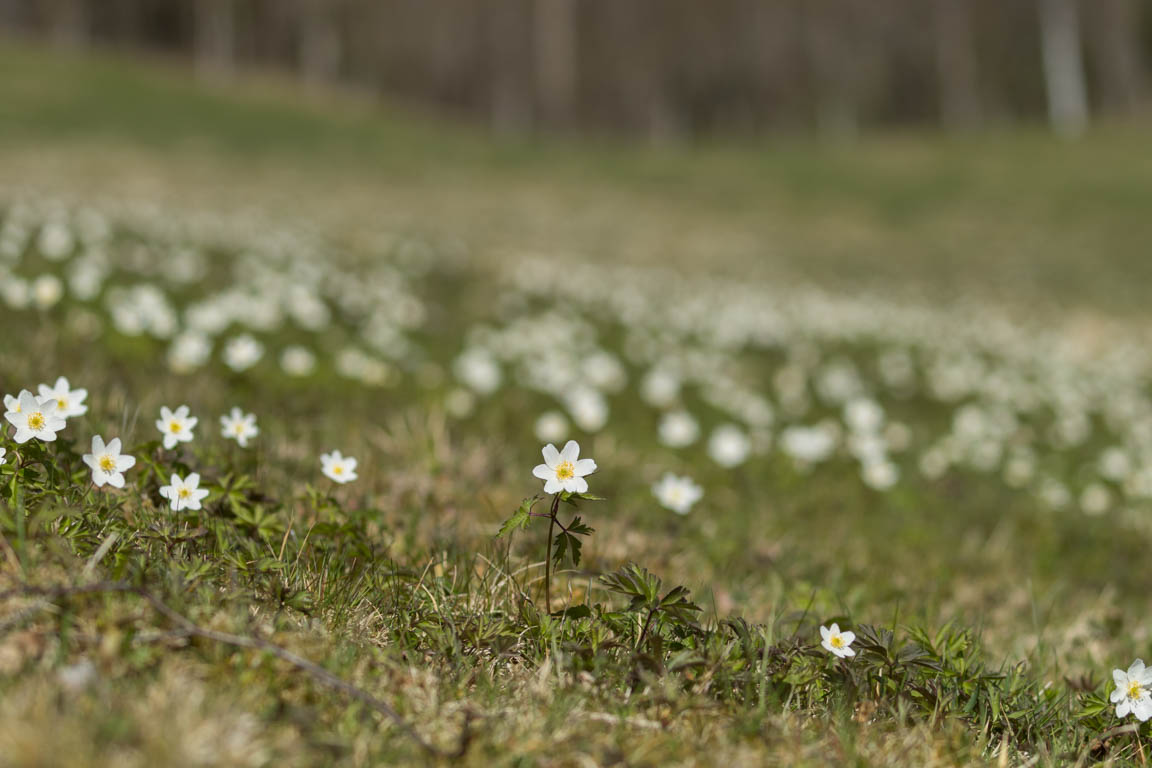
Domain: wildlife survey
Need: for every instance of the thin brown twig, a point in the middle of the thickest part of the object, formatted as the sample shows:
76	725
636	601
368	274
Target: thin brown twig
255	643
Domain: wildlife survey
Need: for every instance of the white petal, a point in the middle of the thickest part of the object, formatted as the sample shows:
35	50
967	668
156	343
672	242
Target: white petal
580	485
551	455
116	480
97	445
553	486
825	632
584	467
1120	677
543	471
847	637
125	462
571	451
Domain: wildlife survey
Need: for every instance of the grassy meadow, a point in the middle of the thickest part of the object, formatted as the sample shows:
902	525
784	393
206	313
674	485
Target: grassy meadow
907	379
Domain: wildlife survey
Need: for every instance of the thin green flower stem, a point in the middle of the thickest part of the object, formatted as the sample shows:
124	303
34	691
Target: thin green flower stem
548	556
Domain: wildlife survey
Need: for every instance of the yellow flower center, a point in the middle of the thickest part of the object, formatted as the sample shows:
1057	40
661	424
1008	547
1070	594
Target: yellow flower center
184	493
565	471
239	428
62	403
338	469
174	427
836	641
36	420
1135	690
107	463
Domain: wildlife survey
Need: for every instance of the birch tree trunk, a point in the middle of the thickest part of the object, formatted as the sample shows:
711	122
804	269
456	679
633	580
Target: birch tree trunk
214	37
1063	66
320	40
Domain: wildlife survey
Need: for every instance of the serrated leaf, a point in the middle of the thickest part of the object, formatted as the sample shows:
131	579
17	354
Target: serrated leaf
519	519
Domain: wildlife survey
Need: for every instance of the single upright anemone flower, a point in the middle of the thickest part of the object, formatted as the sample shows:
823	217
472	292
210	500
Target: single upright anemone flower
837	642
34	417
677	493
564	470
1131	695
337	467
69	402
239	426
184	493
176	427
108	466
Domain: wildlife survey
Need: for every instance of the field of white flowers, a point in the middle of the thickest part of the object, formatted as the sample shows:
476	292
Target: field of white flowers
279	492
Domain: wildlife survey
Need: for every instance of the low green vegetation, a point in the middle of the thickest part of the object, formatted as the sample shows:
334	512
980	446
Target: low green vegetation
383	571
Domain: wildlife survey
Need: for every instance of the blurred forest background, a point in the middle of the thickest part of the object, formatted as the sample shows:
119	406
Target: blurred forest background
661	69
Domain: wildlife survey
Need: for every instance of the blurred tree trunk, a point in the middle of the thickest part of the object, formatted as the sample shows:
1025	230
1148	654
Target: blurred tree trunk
956	66
1115	35
1063	66
556	49
68	23
828	42
214	36
509	70
321	43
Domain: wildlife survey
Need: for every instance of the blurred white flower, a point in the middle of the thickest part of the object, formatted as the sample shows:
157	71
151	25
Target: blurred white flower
836	641
107	465
660	387
33	417
188	351
176	427
551	427
239	426
184	493
808	444
242	352
1131	694
337	467
1095	499
678	429
728	446
297	361
47	290
880	475
604	372
589	409
564	470
677	493
69	402
479	371
863	415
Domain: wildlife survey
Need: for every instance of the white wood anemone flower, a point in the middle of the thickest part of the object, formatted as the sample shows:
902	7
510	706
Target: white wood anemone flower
33	417
1132	694
108	465
176	426
564	470
69	402
837	642
239	426
184	493
338	467
677	493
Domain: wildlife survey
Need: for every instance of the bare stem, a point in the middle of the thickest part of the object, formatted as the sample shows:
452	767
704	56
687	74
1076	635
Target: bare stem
548	557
